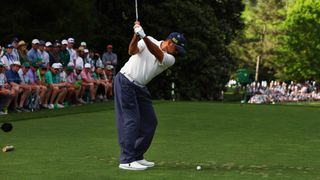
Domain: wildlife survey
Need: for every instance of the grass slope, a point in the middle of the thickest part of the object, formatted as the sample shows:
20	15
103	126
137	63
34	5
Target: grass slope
229	141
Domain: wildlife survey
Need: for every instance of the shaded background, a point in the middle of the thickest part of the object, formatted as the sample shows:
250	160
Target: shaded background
208	25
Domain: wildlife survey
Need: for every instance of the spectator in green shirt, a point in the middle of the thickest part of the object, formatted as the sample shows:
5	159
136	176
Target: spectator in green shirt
58	88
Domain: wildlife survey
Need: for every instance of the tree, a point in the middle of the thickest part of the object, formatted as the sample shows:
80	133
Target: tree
301	42
257	46
208	25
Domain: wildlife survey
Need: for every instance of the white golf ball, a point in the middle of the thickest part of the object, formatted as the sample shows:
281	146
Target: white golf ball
198	168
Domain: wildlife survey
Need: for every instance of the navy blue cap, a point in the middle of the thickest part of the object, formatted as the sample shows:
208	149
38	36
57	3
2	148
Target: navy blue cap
179	40
9	46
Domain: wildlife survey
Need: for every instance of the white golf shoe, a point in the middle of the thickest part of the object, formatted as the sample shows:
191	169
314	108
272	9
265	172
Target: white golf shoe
146	163
134	166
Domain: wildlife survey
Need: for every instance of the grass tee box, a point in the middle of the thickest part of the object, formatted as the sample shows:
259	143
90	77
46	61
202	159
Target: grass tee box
228	141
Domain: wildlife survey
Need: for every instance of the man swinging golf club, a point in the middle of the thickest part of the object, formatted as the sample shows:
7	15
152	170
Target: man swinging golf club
136	119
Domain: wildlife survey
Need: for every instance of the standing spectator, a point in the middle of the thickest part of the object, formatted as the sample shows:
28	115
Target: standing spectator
64	54
15	54
72	52
110	58
23	52
83	44
34	54
16	83
48	48
80	56
43	54
56	53
8	58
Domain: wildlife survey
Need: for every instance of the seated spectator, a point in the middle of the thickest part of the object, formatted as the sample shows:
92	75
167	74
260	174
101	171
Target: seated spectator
57	88
21	89
73	87
88	82
104	86
6	94
8	57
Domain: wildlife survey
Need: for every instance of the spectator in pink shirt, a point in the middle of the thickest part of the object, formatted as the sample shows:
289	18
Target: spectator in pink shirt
88	82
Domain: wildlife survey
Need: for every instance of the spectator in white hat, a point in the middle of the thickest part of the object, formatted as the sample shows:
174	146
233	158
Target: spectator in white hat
34	54
58	88
45	59
64	53
88	82
72	52
80	56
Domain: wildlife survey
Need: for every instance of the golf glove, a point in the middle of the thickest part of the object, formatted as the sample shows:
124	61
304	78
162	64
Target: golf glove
139	32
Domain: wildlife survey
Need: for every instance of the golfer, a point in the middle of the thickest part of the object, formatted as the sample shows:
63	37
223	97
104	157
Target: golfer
136	119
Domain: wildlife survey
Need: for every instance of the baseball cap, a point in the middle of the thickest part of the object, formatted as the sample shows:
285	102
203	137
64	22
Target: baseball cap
26	64
109	67
65	42
179	40
109	46
87	65
79	68
70	40
55	66
35	41
34	64
83	43
70	64
86	51
15	39
16	63
42	42
48	44
9	46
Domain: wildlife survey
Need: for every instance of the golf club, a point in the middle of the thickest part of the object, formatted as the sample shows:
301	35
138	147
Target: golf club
136	2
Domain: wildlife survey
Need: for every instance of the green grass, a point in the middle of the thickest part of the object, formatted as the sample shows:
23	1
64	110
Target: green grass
229	141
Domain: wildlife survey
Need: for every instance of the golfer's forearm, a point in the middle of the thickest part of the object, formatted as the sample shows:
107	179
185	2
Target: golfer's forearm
133	46
154	49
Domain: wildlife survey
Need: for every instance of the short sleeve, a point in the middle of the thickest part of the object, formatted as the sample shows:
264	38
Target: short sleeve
168	60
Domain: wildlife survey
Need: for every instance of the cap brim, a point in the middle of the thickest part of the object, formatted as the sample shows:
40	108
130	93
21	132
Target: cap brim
181	50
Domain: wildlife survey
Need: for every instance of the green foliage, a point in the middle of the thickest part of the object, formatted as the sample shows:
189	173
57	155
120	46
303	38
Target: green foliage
301	41
260	37
209	26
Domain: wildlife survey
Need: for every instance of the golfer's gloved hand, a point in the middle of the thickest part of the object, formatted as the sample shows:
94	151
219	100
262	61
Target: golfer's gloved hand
139	31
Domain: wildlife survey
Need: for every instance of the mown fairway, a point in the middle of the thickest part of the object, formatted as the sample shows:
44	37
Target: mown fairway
229	141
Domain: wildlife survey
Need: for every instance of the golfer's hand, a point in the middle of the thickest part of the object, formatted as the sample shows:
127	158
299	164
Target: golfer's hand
139	32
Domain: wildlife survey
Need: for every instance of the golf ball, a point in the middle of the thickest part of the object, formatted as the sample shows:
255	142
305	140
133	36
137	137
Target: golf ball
198	168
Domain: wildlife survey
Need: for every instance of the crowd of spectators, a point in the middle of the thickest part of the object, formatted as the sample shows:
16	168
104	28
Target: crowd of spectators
53	75
280	92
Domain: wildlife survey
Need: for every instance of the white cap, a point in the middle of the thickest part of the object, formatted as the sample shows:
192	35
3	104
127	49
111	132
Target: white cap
55	66
35	41
64	42
60	65
16	63
70	64
109	67
79	67
48	44
86	51
70	40
87	65
83	44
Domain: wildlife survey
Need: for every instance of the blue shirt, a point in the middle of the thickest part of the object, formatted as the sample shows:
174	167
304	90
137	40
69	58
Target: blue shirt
34	55
13	77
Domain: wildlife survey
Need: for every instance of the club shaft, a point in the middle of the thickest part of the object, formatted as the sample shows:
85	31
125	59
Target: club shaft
136	1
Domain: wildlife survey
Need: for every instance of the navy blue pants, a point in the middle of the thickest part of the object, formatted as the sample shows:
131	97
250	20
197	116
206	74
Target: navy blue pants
136	119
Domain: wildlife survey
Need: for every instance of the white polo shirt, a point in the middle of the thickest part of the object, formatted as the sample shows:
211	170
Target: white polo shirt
143	66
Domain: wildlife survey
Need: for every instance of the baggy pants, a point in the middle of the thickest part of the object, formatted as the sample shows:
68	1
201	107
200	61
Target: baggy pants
136	119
